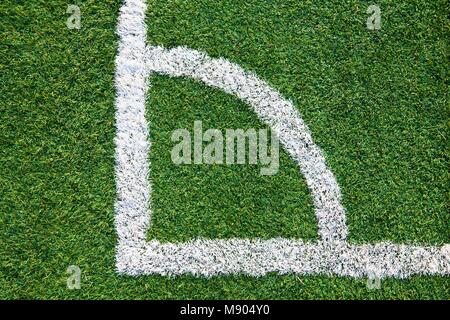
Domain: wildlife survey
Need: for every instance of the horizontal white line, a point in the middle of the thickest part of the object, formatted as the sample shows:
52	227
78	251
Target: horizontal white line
258	257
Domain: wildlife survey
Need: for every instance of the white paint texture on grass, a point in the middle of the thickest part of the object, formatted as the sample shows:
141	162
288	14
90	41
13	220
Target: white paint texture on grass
259	257
279	114
135	63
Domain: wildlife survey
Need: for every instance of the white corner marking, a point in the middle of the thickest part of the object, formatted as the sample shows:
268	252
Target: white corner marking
135	63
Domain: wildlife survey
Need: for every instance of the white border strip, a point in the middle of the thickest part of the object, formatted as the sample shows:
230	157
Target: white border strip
135	256
132	138
259	257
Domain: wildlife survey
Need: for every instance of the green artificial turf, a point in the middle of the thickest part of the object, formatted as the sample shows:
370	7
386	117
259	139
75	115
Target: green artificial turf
375	101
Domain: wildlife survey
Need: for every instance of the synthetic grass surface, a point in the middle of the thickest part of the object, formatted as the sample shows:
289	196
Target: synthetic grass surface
376	103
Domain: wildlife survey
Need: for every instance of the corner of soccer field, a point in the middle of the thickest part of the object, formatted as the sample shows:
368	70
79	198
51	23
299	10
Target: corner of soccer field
375	102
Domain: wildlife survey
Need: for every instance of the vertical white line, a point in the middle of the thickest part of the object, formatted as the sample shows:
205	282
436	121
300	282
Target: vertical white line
132	140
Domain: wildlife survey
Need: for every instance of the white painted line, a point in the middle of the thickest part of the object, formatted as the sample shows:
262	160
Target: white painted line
332	255
259	257
132	139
